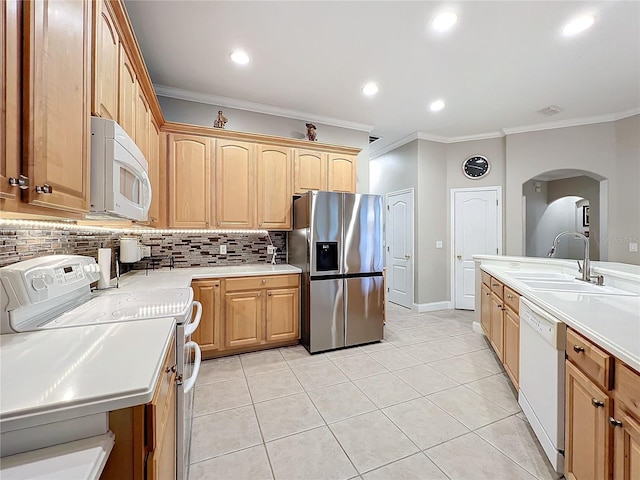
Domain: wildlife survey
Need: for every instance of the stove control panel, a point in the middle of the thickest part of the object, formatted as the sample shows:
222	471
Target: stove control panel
45	278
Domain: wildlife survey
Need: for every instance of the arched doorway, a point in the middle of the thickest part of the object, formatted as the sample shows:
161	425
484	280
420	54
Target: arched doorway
564	200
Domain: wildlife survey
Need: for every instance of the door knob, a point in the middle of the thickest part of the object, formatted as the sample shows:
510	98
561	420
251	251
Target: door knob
459	257
407	256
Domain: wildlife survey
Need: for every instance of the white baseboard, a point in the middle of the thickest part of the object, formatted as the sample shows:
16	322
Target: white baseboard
477	328
432	307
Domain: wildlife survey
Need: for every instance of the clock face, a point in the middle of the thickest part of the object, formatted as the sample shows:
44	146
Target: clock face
476	166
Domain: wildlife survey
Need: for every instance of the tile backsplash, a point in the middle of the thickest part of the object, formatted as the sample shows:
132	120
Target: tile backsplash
187	249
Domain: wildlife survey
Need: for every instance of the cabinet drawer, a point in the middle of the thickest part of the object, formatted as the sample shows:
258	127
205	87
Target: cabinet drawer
512	299
497	287
486	278
252	283
628	388
592	360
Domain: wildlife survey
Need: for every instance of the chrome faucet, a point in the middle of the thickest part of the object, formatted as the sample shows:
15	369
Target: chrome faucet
586	266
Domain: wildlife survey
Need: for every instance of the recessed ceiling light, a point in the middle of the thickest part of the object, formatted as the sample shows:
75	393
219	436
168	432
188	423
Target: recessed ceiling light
370	89
436	106
240	57
578	25
444	21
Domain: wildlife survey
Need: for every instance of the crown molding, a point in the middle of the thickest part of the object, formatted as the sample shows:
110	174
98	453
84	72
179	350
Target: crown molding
393	146
219	101
573	122
479	136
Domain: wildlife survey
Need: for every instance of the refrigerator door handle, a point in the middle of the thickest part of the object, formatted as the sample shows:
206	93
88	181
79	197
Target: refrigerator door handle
345	304
191	327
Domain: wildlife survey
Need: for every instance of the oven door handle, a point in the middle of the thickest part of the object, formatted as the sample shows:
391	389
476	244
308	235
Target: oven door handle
191	381
191	327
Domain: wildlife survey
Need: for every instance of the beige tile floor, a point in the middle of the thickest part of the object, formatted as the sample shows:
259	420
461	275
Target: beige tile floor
429	402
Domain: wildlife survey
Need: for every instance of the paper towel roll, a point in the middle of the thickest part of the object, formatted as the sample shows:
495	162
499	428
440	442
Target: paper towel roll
104	261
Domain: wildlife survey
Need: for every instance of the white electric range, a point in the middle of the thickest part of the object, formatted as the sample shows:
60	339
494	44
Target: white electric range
54	291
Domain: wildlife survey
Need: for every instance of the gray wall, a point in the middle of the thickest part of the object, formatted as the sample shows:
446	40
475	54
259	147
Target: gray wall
184	111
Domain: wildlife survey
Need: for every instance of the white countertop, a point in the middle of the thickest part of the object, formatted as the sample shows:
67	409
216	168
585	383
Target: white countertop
610	321
182	277
54	375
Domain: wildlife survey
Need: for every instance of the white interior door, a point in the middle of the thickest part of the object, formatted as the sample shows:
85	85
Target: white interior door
399	246
477	230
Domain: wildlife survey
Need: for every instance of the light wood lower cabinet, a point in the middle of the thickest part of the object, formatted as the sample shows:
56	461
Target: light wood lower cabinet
587	432
626	446
145	447
485	310
207	335
244	314
497	326
512	345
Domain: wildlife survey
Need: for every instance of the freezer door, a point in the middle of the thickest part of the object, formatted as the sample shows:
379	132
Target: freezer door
362	233
325	233
326	315
364	310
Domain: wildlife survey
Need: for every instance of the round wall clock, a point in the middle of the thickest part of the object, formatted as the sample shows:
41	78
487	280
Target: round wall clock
476	166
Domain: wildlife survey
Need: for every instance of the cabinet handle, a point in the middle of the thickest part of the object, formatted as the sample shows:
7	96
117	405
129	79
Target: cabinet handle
259	295
264	280
487	294
597	403
46	189
170	369
509	295
578	349
22	182
615	423
494	284
218	223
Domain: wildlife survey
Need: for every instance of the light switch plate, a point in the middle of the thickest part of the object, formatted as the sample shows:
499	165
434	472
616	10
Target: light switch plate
223	249
439	244
633	247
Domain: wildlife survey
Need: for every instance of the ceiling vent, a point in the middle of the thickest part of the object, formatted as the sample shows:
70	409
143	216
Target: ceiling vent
550	110
373	139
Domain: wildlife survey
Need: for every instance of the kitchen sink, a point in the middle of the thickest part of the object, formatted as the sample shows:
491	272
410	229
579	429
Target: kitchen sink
572	285
538	275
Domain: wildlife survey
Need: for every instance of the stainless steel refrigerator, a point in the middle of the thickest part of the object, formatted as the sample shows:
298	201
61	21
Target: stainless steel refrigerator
337	242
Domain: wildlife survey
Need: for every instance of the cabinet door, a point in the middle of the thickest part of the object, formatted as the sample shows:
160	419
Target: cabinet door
143	123
310	171
587	434
106	45
342	173
497	326
57	101
128	93
235	184
274	187
485	310
283	314
10	76
626	447
512	345
189	181
154	174
243	319
207	292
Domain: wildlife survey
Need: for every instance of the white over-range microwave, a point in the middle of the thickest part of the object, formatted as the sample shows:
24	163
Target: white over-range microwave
120	185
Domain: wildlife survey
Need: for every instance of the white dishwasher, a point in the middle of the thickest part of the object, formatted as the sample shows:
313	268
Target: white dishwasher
542	378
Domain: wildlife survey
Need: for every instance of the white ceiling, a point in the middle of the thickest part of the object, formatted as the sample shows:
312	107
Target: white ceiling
502	63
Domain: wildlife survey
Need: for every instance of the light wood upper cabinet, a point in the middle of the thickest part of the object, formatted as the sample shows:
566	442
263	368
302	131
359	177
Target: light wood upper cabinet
587	432
310	171
283	314
143	123
342	173
57	100
154	174
235	184
207	335
128	94
189	181
243	319
274	200
10	76
106	47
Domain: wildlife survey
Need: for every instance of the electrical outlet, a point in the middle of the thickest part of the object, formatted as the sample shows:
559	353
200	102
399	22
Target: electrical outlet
633	246
271	249
438	243
223	249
